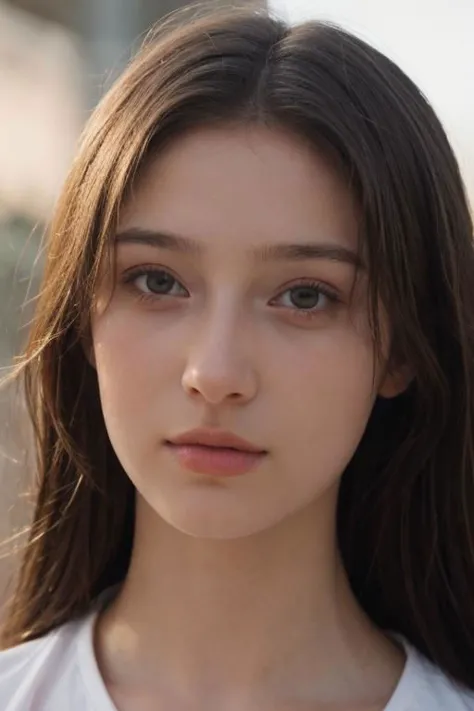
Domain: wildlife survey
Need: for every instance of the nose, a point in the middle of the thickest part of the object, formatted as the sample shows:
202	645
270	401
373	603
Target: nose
219	368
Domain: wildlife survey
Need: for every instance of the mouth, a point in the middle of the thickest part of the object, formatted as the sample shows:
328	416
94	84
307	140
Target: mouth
215	453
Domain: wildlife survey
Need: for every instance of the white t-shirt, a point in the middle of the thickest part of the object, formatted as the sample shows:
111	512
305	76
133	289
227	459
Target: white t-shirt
59	672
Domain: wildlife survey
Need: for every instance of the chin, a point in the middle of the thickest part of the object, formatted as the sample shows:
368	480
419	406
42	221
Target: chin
213	527
210	519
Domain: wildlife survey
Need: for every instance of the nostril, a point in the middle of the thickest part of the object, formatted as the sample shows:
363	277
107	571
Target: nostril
194	392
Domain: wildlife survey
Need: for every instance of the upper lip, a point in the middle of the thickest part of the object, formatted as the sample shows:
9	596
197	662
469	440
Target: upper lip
214	438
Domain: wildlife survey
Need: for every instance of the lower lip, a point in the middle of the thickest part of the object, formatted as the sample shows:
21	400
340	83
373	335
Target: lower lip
216	461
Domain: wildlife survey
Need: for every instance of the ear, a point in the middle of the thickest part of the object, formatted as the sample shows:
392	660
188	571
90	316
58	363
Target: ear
396	380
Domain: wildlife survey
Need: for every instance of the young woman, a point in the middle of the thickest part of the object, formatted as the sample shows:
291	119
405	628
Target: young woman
251	380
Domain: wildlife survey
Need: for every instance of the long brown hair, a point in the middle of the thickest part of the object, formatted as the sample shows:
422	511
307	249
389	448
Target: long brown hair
406	506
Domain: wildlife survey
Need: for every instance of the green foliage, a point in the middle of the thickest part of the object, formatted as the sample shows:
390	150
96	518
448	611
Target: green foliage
20	269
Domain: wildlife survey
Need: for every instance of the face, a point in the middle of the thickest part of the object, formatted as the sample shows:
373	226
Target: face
239	308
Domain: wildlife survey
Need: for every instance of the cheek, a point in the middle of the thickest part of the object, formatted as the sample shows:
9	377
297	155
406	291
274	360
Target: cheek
130	348
136	365
336	360
328	390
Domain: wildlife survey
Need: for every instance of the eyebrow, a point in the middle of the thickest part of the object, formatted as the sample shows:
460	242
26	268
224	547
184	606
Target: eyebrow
274	252
161	240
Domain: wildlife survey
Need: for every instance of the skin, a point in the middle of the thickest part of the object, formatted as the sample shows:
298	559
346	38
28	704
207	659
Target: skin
236	596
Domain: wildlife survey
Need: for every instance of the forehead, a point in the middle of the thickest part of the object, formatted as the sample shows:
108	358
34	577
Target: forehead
241	186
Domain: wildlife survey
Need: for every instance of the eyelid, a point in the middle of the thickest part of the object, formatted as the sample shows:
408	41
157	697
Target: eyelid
132	273
140	269
322	286
330	292
311	315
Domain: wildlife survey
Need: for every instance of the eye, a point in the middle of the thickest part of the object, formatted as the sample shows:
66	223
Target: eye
155	282
308	297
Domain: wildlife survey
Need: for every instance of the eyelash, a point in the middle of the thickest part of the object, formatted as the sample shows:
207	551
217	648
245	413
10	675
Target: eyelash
319	288
323	290
132	275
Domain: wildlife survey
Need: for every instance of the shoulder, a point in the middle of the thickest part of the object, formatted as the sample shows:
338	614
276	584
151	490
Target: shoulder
57	671
33	674
13	661
425	686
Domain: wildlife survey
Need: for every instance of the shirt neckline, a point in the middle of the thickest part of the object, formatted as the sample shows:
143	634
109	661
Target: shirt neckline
96	689
89	670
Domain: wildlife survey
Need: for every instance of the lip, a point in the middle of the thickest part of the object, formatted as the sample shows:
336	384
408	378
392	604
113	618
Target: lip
215	438
215	452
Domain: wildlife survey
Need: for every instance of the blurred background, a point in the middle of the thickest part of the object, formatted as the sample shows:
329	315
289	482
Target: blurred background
56	59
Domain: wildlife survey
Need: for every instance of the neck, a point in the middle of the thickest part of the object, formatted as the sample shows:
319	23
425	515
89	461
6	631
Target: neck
260	615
